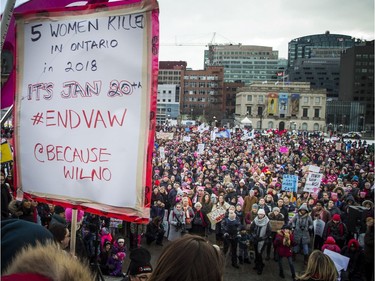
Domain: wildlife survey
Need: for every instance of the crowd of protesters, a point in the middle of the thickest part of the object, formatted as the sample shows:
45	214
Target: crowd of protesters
196	173
240	176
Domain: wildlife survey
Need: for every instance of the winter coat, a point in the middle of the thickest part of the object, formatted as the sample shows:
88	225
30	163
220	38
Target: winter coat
248	203
177	224
260	231
282	249
232	227
369	245
337	231
356	262
330	244
301	226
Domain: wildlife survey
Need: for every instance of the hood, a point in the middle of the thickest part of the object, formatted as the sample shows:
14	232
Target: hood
330	240
355	242
350	197
303	207
62	267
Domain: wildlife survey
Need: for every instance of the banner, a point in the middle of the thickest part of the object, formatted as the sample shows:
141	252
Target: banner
272	103
295	104
86	88
283	103
164	135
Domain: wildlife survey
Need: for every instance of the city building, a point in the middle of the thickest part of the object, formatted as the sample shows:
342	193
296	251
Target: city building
245	63
168	103
170	72
357	79
345	116
290	106
202	93
229	100
317	45
321	73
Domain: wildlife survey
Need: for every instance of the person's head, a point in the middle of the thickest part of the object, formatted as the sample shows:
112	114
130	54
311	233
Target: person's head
276	210
61	234
140	268
201	261
59	210
320	267
336	218
255	207
280	203
319	205
16	234
107	245
198	206
261	213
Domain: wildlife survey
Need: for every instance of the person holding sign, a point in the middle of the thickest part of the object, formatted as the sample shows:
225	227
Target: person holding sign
278	218
283	244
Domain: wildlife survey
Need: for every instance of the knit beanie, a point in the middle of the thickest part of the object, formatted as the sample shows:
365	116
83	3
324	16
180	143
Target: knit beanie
140	261
16	234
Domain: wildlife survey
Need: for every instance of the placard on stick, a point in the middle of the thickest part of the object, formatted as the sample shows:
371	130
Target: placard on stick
86	89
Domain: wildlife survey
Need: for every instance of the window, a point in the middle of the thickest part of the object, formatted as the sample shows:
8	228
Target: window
260	99
305	112
260	111
305	100
316	112
304	126
270	125
317	100
248	110
249	98
316	127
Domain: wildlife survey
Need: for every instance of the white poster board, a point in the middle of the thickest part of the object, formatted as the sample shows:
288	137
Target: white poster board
83	103
313	182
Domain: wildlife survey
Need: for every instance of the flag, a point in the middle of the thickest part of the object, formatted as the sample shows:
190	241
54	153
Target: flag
223	134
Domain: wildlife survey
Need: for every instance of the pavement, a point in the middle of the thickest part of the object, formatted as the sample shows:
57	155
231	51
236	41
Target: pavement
244	273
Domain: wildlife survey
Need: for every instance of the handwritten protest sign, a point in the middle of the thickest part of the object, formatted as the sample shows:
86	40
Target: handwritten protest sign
84	98
216	215
289	183
313	182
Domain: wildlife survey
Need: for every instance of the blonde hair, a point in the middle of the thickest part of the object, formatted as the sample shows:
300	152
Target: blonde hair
319	267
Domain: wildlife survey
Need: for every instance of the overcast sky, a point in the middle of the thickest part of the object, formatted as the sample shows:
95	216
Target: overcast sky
271	23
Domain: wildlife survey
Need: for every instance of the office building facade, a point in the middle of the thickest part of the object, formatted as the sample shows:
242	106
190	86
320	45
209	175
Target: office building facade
245	63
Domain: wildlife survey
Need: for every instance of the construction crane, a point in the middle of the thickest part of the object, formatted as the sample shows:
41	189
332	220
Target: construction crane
210	43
